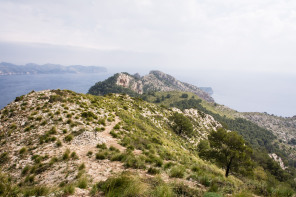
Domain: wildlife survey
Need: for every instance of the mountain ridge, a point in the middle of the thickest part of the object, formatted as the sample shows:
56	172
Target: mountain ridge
31	68
154	81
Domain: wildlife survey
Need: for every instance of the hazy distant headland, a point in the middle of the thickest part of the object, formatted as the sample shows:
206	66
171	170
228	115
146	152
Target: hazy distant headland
31	68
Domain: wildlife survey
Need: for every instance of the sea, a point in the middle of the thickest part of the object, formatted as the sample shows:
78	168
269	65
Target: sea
12	86
272	93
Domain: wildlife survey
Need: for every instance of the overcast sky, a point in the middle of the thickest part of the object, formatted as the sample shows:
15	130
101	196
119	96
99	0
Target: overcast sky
253	35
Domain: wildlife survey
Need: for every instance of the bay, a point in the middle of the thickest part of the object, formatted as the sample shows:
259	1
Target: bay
12	86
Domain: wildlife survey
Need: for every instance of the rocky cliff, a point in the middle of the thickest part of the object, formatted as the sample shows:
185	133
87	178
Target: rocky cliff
154	81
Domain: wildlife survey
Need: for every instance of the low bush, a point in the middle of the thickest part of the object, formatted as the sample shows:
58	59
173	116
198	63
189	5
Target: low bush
74	155
102	146
23	150
69	189
101	155
81	167
58	143
152	170
177	172
122	185
82	183
69	138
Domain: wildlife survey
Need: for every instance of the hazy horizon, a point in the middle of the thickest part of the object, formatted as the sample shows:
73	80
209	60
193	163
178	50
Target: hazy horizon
243	49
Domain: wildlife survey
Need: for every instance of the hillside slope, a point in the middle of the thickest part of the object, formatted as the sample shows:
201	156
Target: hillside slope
154	81
61	143
53	138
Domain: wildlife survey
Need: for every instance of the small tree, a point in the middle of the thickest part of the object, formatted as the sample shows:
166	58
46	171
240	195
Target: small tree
184	96
182	124
228	149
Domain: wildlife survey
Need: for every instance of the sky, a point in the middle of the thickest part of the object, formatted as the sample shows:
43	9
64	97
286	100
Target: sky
213	34
175	36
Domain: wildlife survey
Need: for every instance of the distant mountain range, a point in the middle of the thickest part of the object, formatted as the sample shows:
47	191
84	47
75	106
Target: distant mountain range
153	82
30	69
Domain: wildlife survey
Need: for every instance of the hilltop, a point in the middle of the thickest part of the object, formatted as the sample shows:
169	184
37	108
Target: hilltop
155	81
67	143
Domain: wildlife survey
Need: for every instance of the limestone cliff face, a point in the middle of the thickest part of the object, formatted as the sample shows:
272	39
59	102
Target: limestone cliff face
158	81
128	81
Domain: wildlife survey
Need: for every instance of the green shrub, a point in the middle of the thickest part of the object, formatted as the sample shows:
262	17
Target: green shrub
195	169
101	155
131	148
59	143
37	158
53	160
118	157
4	158
134	162
116	127
53	131
19	98
184	96
182	124
29	179
23	150
69	138
102	146
152	170
36	191
158	161
177	172
82	183
168	165
205	181
69	189
162	189
213	187
102	121
112	148
74	155
212	194
181	189
89	153
66	155
81	167
124	185
113	134
25	170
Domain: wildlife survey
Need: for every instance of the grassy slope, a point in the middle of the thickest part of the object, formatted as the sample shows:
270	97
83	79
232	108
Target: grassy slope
148	146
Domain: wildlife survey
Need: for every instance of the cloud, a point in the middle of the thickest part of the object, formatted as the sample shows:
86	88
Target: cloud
246	34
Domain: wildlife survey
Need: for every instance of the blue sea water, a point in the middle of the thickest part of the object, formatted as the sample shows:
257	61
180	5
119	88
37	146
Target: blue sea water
274	93
12	86
246	92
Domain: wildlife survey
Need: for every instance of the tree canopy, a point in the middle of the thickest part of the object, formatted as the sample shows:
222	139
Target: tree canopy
229	151
181	124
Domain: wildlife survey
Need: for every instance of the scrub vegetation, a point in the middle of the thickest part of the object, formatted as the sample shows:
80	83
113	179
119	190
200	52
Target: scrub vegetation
144	149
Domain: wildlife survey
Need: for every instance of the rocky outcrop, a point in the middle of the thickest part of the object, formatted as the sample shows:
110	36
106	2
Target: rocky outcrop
283	128
154	81
276	158
131	82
